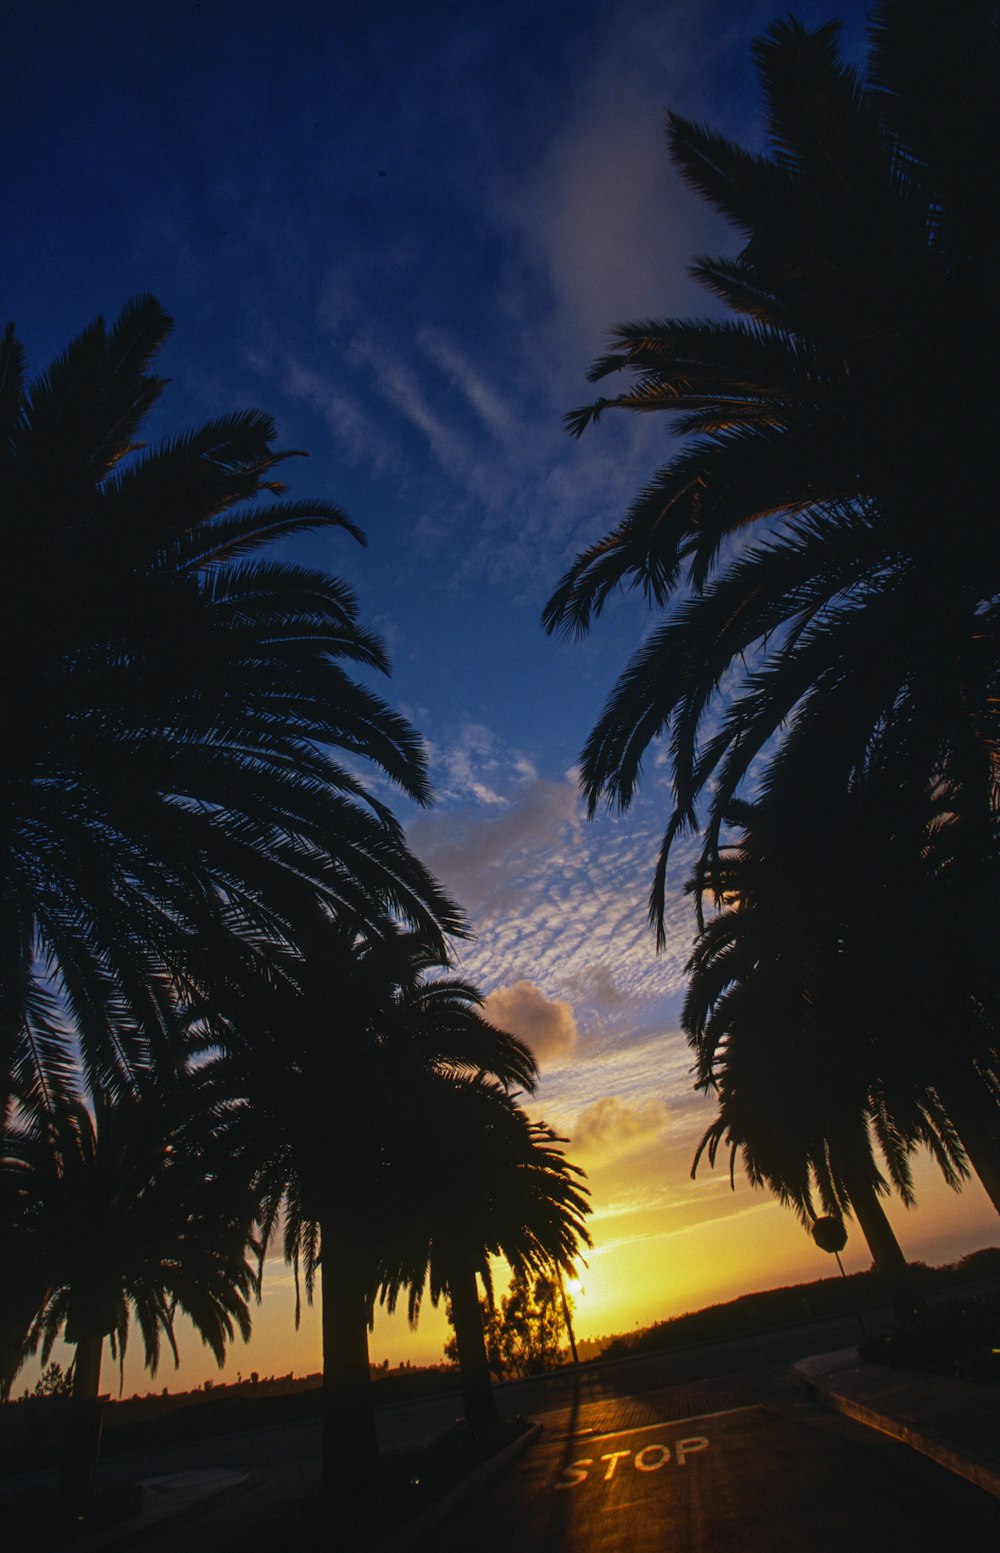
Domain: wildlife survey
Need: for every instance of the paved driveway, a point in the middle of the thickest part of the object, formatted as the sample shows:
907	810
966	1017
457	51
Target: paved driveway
770	1476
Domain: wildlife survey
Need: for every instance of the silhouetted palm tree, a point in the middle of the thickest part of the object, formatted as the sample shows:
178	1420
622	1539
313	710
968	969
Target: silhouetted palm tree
797	537
122	1210
908	892
471	1178
805	1055
330	1078
170	788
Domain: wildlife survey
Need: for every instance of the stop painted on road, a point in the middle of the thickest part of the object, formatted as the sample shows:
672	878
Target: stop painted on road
651	1457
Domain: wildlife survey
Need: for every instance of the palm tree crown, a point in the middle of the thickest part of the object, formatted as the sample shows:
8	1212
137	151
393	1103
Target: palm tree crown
794	1013
123	1209
797	535
325	1078
172	797
474	1179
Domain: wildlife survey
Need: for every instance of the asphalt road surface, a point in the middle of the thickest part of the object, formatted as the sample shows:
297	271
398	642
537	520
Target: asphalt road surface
710	1450
734	1462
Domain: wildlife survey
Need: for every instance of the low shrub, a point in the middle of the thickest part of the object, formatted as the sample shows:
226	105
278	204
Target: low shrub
954	1337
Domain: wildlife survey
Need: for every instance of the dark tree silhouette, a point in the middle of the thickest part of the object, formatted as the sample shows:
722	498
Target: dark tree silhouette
526	1332
117	1210
171	788
330	1080
473	1178
796	538
798	1016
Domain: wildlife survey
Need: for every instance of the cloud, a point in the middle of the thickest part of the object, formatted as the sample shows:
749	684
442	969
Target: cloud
546	1025
610	1128
402	387
598	984
358	436
482	395
493	854
606	219
560	902
475	765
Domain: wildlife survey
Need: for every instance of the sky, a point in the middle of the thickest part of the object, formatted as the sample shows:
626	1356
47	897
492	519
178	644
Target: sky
405	231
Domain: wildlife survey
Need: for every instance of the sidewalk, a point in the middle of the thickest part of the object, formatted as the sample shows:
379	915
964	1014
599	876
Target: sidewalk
954	1422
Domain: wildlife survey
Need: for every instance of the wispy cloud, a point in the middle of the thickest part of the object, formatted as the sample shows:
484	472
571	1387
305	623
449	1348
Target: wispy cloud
357	434
402	387
474	764
482	394
556	900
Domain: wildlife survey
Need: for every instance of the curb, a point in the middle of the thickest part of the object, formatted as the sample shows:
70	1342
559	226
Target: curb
437	1512
963	1464
148	1523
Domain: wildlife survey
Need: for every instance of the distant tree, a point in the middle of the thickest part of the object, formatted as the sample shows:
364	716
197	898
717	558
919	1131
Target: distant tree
530	1335
52	1382
525	1334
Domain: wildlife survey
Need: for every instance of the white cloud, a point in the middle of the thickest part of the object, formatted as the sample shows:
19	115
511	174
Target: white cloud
606	218
475	765
560	902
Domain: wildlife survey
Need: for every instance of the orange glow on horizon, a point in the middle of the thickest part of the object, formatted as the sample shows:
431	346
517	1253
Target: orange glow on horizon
648	1263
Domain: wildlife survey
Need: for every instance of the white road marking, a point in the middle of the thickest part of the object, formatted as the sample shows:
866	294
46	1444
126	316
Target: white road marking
668	1423
645	1461
612	1459
650	1459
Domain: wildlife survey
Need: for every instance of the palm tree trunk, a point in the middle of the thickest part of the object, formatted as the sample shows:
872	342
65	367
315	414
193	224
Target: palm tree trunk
887	1254
566	1315
83	1436
974	1114
477	1390
350	1444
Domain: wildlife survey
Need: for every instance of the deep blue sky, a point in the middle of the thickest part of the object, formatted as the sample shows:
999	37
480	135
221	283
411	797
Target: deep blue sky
404	231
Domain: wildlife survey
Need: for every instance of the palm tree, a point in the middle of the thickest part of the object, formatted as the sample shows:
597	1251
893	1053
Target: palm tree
900	879
125	1209
796	537
329	1079
910	882
472	1178
797	1040
172	795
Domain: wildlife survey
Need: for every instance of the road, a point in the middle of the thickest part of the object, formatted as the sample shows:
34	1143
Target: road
732	1370
706	1450
669	1468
